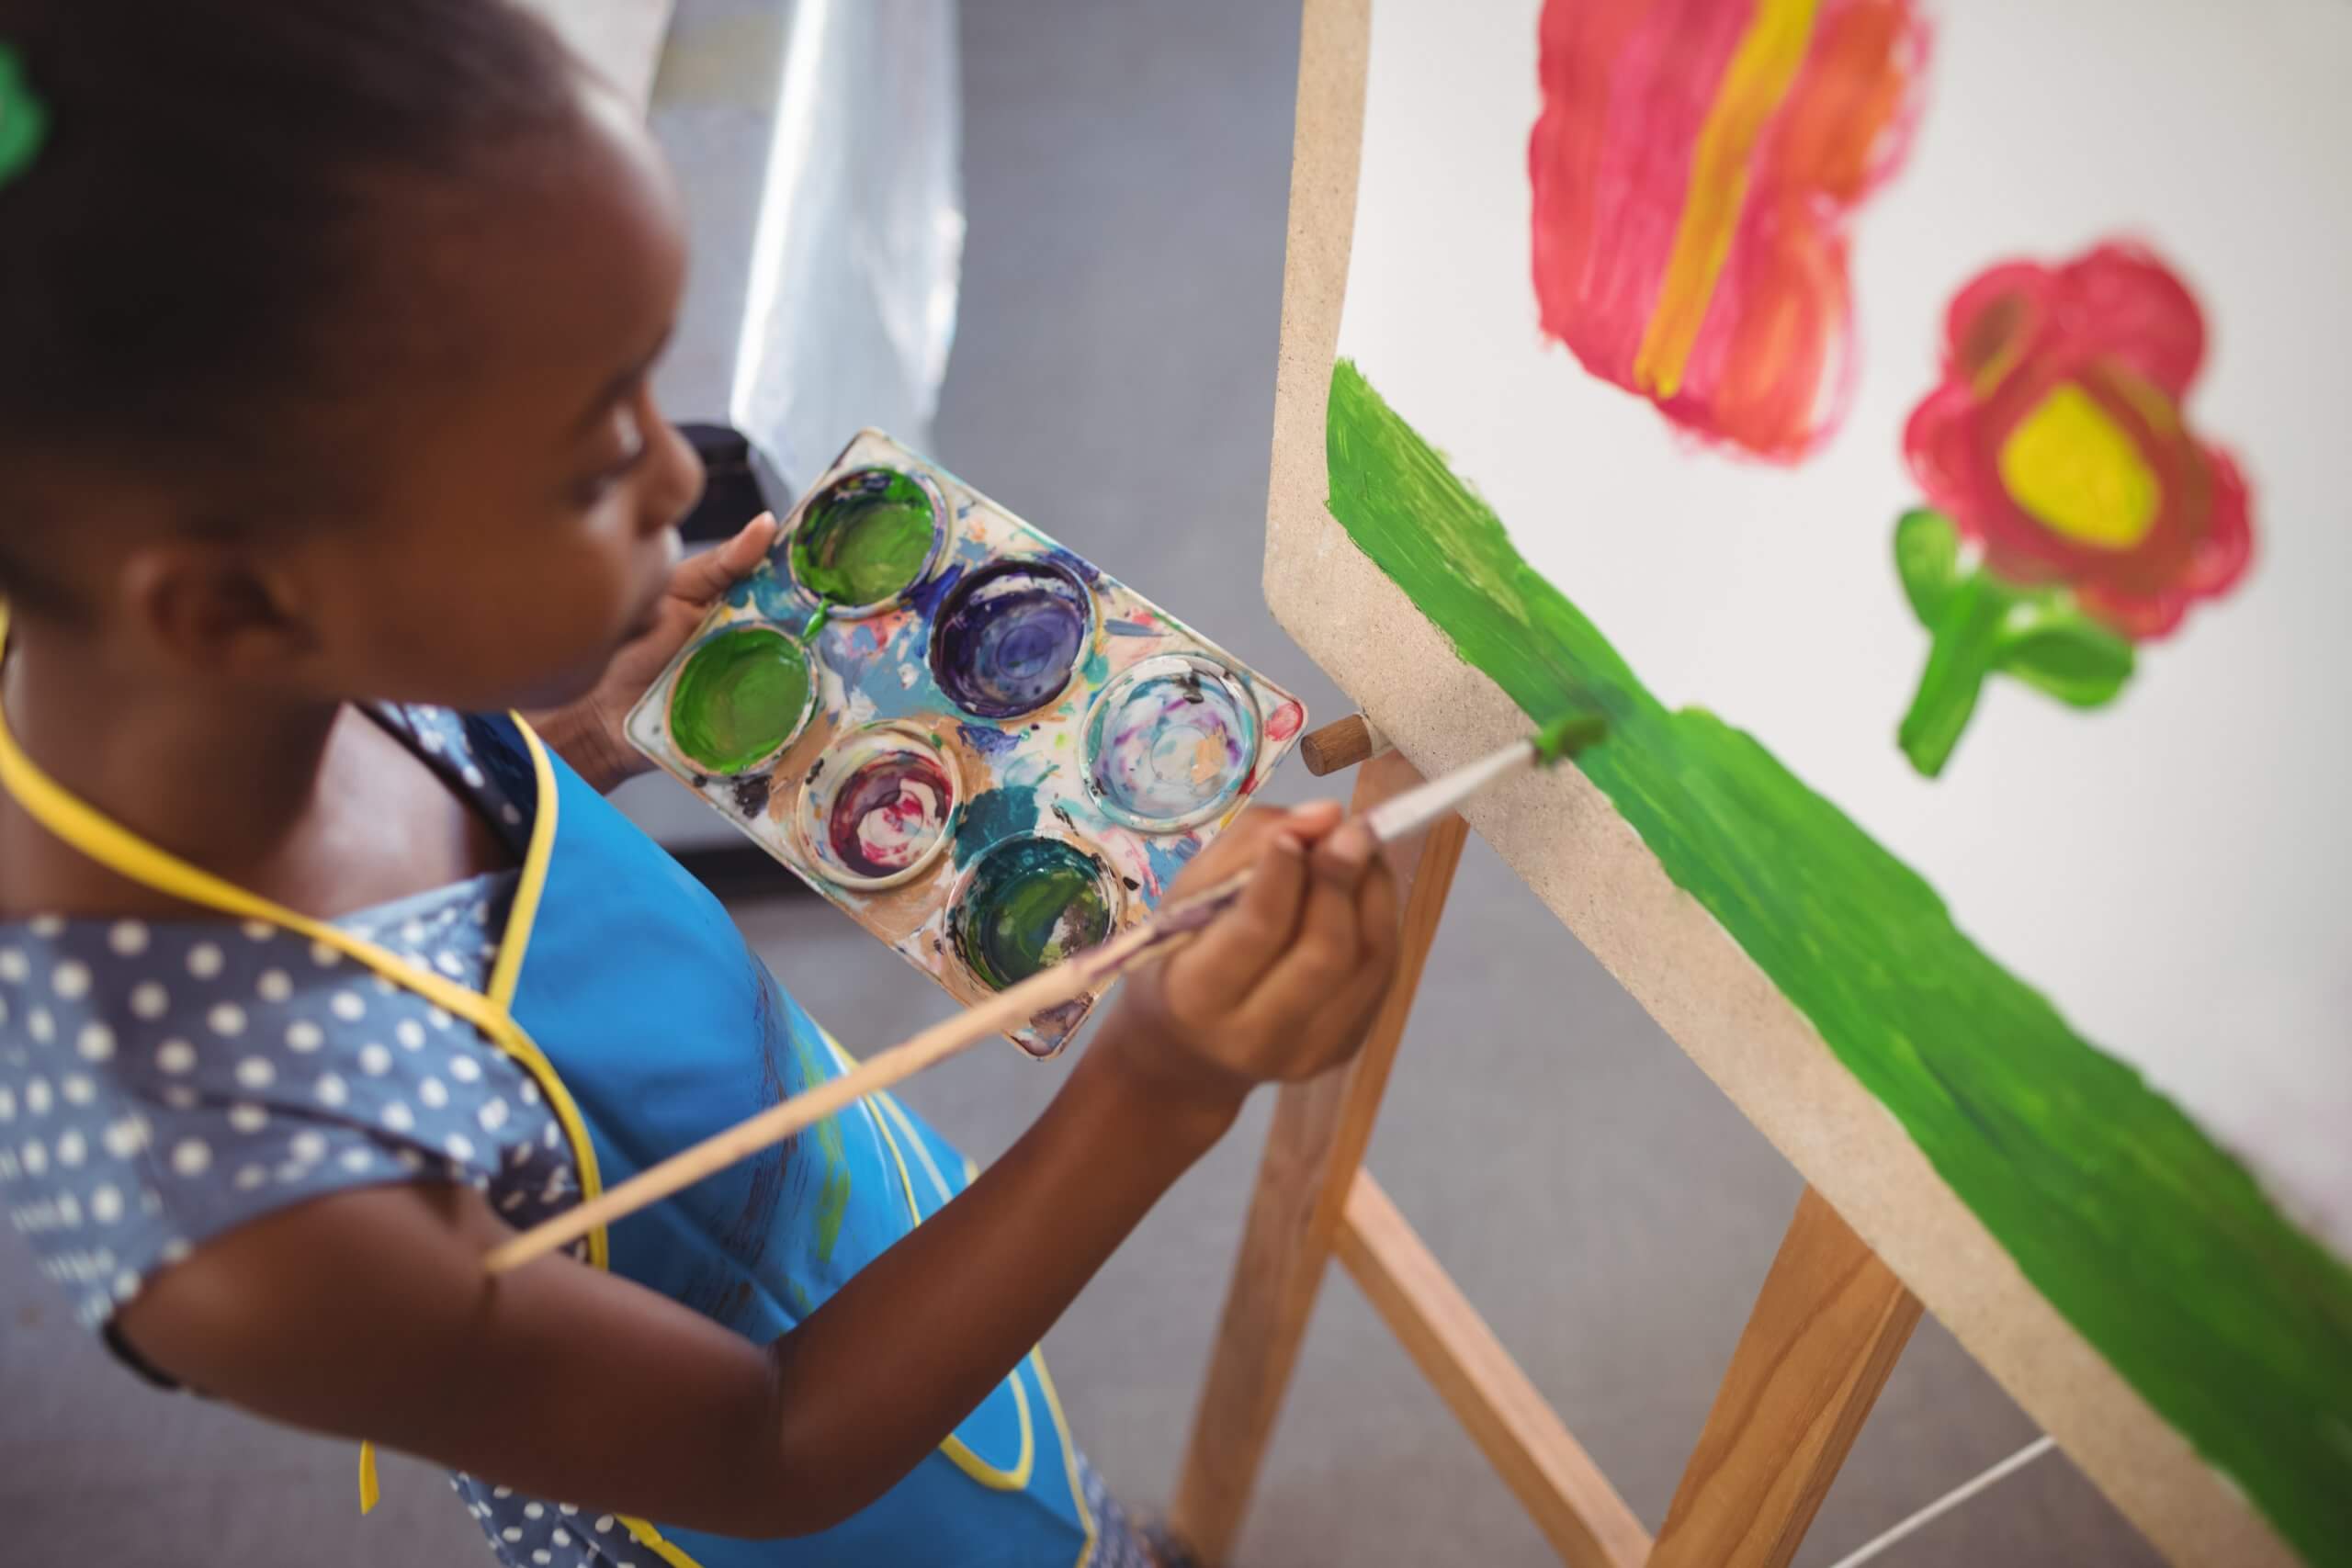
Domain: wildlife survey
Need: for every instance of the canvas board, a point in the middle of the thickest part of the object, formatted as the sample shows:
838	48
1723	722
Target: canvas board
2063	1028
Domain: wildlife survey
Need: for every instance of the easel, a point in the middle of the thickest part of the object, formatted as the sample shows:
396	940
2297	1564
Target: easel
1825	1332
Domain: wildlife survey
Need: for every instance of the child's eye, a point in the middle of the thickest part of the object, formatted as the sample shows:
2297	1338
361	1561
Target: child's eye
630	437
593	490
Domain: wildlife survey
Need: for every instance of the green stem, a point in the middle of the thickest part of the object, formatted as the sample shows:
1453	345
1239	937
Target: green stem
1967	645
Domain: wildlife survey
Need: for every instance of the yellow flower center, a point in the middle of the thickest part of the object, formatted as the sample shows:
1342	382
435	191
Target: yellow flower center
2079	472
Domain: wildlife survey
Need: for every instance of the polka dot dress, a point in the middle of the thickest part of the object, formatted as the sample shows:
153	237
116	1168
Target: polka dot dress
164	1081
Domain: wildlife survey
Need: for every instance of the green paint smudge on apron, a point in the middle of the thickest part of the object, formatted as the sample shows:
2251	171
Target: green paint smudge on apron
2155	1243
740	696
832	1197
832	1191
865	539
1032	903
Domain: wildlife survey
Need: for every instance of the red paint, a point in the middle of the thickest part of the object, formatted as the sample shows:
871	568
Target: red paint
1285	722
2121	326
1628	88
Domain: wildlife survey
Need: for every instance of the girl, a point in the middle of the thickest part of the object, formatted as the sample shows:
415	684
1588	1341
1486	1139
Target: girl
324	432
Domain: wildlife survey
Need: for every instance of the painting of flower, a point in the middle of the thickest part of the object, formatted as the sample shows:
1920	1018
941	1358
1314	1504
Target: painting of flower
2073	512
1695	167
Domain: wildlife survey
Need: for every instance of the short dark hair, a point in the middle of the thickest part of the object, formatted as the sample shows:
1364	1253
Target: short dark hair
169	257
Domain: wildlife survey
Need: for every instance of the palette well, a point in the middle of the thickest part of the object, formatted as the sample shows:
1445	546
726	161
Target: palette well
985	750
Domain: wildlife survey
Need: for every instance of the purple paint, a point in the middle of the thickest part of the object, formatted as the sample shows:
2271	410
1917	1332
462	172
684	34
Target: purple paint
889	812
1009	637
989	740
878	805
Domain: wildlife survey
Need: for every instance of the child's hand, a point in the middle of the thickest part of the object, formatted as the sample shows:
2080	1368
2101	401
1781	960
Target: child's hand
588	732
1281	987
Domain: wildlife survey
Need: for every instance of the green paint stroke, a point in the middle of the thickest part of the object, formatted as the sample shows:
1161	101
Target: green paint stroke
832	1197
1981	625
865	539
2154	1244
740	695
1032	903
832	1191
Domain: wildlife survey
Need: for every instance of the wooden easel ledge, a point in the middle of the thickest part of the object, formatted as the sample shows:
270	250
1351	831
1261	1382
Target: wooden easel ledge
1351	741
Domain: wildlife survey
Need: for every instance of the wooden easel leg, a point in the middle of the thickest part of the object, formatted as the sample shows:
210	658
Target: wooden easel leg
1826	1331
1313	1150
1572	1503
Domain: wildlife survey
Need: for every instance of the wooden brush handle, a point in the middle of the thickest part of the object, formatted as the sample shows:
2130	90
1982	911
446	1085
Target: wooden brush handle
1091	970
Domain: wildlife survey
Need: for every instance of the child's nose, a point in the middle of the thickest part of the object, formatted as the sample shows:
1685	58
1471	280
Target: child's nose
674	480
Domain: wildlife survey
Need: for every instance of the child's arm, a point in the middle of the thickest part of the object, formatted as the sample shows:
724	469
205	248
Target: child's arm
368	1314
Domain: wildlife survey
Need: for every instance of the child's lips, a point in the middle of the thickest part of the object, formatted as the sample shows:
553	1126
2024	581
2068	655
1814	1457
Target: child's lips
644	621
657	586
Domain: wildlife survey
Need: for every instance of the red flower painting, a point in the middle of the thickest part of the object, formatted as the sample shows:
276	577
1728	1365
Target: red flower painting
2056	449
1694	171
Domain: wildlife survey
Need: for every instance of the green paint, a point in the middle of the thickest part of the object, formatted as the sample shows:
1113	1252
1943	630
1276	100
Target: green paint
2156	1245
832	1196
1980	624
832	1191
1032	903
1005	812
1568	735
865	538
24	118
741	696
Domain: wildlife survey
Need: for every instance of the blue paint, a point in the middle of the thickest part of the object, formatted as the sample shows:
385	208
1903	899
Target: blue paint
1131	628
842	656
923	597
1086	570
1031	770
1166	856
1001	813
768	593
873	658
989	740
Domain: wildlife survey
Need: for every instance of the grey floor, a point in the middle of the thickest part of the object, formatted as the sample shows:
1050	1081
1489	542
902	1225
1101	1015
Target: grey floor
1128	169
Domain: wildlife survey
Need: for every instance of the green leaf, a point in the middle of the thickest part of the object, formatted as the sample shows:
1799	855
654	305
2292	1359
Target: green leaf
2071	657
1927	557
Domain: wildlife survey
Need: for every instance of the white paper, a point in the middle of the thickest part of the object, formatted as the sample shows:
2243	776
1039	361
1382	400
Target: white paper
2171	869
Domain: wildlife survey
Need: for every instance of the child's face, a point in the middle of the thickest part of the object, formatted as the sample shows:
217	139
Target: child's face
485	507
526	491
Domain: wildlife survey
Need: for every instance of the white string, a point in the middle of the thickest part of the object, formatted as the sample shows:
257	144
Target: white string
1948	1502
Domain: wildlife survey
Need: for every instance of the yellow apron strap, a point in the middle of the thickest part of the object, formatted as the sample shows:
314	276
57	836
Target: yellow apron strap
120	849
115	847
997	1478
107	842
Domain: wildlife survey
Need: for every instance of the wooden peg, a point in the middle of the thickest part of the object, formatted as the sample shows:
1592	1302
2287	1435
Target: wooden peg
1343	744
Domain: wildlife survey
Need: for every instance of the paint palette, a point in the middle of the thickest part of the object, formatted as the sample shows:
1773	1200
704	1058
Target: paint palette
988	752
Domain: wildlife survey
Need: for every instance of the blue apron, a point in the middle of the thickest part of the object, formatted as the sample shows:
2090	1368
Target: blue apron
625	990
687	1036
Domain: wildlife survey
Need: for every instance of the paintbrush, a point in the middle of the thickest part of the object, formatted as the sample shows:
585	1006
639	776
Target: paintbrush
1082	975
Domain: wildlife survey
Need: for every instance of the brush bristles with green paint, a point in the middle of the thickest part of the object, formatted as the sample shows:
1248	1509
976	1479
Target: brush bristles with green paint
1082	975
1417	808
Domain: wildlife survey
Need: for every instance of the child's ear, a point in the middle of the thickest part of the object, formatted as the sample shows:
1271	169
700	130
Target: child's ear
208	605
